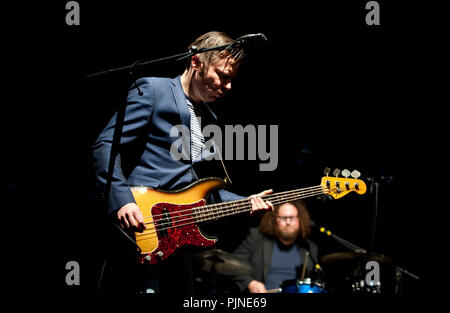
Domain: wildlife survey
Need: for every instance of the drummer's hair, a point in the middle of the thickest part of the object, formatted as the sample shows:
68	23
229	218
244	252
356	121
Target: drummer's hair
269	220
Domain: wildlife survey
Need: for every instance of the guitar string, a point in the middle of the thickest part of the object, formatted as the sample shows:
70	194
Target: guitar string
242	210
235	207
219	207
219	213
235	201
218	204
200	211
235	211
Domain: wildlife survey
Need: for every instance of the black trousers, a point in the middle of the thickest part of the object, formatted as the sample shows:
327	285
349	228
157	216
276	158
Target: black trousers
125	276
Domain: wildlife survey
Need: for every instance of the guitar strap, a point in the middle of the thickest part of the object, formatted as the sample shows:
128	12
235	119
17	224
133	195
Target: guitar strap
227	179
212	168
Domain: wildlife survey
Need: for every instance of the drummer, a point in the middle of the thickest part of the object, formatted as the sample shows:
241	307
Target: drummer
277	249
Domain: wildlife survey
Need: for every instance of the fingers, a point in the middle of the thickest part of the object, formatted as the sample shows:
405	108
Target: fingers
256	287
130	217
136	220
139	217
259	204
121	216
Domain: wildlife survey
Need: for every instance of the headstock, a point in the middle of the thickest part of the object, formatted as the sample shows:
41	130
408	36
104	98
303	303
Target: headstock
337	187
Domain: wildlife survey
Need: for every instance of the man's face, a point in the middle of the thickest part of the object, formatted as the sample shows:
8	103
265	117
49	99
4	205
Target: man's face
216	80
287	222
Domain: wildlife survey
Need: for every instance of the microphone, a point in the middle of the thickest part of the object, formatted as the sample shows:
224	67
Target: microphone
250	38
243	40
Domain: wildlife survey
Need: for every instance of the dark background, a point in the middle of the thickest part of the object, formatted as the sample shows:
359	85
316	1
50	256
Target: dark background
342	93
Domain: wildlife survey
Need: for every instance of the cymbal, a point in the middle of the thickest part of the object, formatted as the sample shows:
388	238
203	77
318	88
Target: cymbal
351	256
221	262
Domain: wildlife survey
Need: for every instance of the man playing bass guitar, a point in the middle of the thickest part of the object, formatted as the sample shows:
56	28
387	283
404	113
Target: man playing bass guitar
154	107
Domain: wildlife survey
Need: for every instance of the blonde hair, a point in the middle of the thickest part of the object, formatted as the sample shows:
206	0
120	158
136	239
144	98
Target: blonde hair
215	39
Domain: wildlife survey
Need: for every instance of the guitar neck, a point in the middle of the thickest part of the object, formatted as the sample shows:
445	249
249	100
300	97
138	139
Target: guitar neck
219	210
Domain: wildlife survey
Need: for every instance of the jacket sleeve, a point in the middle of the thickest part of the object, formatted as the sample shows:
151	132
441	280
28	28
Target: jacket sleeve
223	195
226	195
138	112
245	252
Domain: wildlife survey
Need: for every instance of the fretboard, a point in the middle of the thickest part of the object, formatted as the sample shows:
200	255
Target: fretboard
219	210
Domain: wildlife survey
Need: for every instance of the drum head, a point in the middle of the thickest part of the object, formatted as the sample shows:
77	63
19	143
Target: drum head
303	286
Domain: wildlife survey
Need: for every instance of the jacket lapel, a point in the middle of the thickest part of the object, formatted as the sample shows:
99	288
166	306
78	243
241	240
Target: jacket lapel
180	100
267	255
183	111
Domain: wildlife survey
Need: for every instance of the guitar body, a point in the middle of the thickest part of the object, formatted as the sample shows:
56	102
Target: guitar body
169	222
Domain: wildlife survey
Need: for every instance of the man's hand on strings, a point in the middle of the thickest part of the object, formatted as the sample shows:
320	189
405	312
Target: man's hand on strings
131	218
259	204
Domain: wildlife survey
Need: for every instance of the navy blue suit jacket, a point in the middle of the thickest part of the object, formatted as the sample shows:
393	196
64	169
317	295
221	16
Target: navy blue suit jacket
154	107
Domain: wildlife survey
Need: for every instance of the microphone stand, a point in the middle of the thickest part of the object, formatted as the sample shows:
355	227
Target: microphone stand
398	278
339	239
180	56
399	271
141	63
375	213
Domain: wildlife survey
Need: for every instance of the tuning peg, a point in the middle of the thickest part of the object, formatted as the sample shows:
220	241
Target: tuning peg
355	174
327	171
345	173
336	172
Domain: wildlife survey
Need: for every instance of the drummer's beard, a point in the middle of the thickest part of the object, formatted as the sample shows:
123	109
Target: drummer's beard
287	233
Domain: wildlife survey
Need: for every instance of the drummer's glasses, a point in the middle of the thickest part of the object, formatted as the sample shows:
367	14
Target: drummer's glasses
285	219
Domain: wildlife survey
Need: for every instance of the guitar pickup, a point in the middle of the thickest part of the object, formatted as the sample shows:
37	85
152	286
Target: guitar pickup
164	222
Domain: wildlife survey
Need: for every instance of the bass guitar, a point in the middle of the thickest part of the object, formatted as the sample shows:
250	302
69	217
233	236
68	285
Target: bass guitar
172	217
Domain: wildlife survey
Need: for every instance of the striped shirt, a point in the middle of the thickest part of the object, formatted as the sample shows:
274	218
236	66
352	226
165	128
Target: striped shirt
197	138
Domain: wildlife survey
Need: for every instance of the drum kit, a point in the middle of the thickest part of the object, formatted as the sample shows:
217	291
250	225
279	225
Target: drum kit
344	273
220	262
214	270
